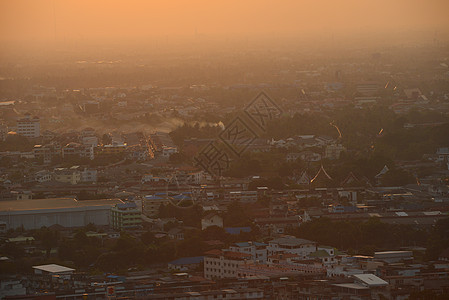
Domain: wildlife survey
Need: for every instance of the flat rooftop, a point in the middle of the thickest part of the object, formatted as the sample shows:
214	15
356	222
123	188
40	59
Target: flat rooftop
53	268
53	203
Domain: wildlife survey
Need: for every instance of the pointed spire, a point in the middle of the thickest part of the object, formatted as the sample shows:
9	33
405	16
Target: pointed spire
321	171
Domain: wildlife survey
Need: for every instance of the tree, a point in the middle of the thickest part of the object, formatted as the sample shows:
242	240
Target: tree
397	177
106	139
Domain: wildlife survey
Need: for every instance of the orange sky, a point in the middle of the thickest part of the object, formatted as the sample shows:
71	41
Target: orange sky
34	20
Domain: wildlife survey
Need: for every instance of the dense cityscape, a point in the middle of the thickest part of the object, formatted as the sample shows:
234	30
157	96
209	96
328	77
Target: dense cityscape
247	170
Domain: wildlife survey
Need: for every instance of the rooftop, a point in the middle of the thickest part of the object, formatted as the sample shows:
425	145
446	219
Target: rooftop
53	203
370	280
291	241
53	268
187	260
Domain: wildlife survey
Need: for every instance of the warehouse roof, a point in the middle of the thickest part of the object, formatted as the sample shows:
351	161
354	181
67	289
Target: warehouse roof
53	268
53	203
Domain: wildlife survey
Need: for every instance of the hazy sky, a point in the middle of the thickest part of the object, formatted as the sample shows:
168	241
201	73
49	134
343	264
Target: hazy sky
42	20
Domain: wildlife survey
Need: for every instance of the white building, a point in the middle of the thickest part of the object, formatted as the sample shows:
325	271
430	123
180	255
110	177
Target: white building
258	251
220	264
211	219
290	244
42	176
52	269
29	127
71	175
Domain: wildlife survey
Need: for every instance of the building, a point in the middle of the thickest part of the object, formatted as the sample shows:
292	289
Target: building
67	212
149	178
114	148
42	176
3	132
258	251
125	216
394	256
228	293
369	88
211	219
29	127
152	203
52	269
22	195
184	177
241	196
46	152
89	175
292	157
185	263
77	150
167	151
289	244
281	266
219	264
334	151
67	175
11	288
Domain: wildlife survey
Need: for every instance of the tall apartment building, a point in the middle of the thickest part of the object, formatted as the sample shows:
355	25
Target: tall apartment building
3	131
29	127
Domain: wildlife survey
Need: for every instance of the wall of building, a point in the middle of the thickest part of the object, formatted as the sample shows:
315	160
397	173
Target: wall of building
67	217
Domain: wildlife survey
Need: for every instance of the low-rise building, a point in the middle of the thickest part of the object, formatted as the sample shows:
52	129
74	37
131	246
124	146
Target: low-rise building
67	212
42	176
211	219
258	251
77	150
185	263
89	175
334	151
241	196
219	264
290	244
67	175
